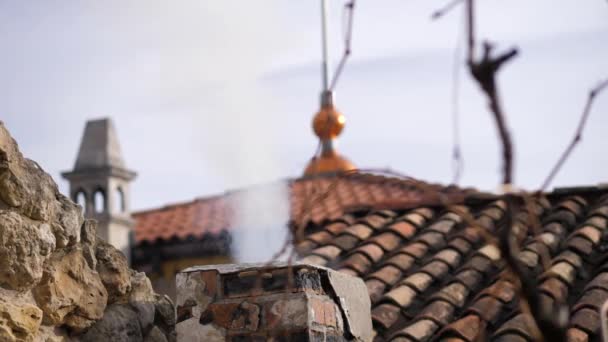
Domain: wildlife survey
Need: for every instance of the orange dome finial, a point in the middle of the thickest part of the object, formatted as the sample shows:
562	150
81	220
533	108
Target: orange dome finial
327	124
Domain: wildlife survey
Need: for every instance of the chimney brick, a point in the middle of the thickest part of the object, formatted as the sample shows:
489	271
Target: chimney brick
276	302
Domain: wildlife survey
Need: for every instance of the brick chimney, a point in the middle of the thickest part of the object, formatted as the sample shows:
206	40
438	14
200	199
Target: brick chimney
276	302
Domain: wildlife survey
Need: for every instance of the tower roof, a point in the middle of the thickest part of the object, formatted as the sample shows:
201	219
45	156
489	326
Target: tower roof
99	152
99	147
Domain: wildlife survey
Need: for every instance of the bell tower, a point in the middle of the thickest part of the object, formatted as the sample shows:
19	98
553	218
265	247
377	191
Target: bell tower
100	183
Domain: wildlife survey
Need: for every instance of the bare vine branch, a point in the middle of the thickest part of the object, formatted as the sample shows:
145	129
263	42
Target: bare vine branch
484	72
577	135
445	9
347	18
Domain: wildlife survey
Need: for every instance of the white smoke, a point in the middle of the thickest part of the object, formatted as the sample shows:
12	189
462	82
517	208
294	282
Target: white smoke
240	127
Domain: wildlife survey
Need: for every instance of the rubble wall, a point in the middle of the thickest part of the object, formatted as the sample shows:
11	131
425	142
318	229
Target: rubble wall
58	280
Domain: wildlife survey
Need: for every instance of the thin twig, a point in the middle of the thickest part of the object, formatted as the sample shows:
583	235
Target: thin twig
577	135
445	9
348	13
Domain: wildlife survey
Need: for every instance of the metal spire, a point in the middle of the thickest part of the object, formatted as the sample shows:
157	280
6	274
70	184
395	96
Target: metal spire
324	42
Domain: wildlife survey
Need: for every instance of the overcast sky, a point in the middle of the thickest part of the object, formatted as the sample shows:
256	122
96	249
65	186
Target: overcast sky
209	96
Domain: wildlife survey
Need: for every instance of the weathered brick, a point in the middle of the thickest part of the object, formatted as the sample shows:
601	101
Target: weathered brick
246	317
221	313
286	314
330	314
245	303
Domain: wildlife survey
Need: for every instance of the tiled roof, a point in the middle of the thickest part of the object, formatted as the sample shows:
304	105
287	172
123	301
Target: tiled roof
315	199
431	276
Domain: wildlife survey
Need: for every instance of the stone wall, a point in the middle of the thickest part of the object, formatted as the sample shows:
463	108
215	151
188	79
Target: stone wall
58	281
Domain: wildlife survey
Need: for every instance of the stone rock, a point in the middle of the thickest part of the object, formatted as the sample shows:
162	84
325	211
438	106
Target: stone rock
24	246
23	184
88	232
141	288
68	222
165	312
70	292
19	323
155	335
192	330
193	288
52	334
119	324
88	238
145	314
114	271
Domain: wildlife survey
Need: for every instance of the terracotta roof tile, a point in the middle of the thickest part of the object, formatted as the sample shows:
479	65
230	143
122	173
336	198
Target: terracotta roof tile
432	277
345	241
592	299
449	256
416	249
502	290
375	288
402	295
328	252
336	227
521	325
600	281
419	281
415	218
461	245
555	288
385	315
432	239
529	258
577	335
587	320
421	330
470	328
435	269
405	229
402	261
573	206
443	226
320	237
388	241
581	245
511	338
439	311
358	262
372	251
565	217
315	260
213	215
470	278
454	293
488	308
591	233
359	230
599	222
388	274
